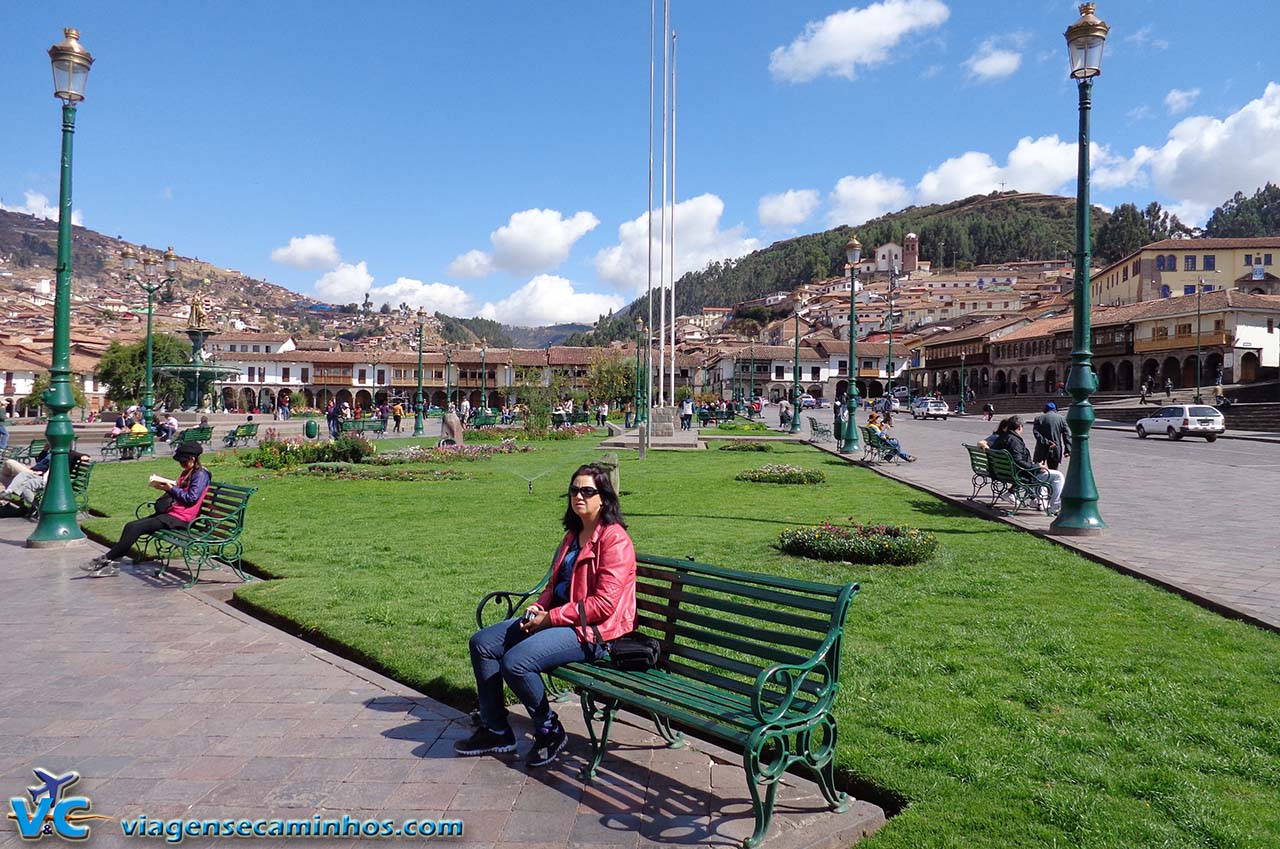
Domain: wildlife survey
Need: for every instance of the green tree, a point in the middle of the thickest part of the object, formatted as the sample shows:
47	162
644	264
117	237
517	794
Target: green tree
1245	217
41	383
385	309
124	369
611	377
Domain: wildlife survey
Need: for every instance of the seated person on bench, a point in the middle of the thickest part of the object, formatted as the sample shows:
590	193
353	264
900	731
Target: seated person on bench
177	508
590	600
21	483
873	422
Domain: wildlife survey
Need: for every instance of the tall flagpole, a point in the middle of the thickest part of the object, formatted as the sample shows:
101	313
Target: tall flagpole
662	248
648	357
672	276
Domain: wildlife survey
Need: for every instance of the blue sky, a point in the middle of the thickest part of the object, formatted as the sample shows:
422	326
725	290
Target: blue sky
491	157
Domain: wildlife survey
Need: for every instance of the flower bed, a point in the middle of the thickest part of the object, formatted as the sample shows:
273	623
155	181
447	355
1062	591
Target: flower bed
746	445
781	473
446	454
899	545
738	426
296	451
351	471
494	433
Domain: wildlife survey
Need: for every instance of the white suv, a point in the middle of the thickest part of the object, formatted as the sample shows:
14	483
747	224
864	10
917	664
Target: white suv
1184	420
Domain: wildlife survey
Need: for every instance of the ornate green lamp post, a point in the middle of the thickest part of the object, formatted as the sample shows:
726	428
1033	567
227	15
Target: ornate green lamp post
417	402
893	285
1085	41
484	373
58	525
448	363
853	254
150	282
964	385
795	386
751	377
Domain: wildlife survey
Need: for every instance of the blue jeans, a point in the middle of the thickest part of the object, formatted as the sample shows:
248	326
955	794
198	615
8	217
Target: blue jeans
502	652
893	443
4	436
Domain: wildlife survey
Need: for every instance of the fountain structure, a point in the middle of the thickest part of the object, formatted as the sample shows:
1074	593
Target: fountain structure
197	376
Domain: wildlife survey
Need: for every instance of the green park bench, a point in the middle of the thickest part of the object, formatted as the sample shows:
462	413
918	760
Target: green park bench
580	418
748	659
197	435
241	434
484	420
212	539
30	453
980	467
80	474
726	415
363	426
705	417
819	432
126	446
875	448
1014	483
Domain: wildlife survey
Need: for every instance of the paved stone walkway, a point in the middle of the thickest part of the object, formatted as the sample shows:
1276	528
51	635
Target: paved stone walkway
1195	516
172	704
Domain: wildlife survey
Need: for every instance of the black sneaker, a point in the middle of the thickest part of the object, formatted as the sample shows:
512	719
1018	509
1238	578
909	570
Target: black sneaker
547	746
486	742
98	563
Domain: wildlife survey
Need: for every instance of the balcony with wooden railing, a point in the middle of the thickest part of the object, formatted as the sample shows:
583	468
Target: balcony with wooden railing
1179	341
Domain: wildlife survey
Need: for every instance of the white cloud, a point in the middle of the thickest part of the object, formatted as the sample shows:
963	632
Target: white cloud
433	297
471	264
1139	113
787	209
858	199
531	241
550	299
842	41
699	240
38	205
1206	160
1034	165
311	252
993	61
1179	100
346	283
1143	38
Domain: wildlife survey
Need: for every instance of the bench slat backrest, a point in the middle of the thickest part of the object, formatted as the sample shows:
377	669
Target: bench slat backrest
723	627
1002	466
979	462
225	503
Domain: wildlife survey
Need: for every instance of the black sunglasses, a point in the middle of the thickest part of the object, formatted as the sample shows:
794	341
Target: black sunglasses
584	491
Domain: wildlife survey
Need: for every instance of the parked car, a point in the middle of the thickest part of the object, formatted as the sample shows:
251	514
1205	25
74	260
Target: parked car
902	393
1182	420
930	408
807	401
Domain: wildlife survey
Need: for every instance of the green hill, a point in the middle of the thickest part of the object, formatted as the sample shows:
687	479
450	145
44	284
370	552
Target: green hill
999	227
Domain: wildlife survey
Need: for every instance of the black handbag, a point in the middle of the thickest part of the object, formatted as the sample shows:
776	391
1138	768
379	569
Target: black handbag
632	652
163	504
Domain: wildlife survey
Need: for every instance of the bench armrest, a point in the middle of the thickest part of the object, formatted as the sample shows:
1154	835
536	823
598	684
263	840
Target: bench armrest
790	677
513	599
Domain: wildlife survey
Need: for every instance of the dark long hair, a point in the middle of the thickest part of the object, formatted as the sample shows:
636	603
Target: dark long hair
1009	425
610	509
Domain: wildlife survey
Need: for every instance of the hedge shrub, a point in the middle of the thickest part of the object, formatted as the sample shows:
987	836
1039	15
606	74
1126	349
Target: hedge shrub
898	545
746	445
781	473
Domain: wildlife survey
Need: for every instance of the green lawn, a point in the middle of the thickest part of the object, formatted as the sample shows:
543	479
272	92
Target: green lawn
1015	694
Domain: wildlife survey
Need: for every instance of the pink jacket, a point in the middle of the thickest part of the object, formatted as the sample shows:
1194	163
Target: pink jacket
604	579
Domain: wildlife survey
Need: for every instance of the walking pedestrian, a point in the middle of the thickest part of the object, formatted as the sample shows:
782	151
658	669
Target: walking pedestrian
4	431
1053	437
988	411
1168	387
397	413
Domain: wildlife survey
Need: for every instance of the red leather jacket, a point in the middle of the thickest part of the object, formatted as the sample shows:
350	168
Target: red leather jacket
604	579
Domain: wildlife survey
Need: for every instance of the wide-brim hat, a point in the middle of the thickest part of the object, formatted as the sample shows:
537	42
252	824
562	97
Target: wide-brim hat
188	449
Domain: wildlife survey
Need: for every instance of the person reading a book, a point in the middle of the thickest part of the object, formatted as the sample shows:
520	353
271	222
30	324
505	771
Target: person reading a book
176	508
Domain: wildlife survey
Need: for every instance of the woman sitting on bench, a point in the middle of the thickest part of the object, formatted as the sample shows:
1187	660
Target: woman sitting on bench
177	508
873	422
589	600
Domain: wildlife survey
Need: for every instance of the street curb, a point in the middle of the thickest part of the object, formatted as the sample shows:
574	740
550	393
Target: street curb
1194	596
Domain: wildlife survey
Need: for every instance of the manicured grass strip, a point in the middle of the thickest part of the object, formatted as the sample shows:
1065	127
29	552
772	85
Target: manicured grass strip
1016	694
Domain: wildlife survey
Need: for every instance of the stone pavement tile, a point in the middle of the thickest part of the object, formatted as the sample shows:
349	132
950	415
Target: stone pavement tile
485	797
330	769
267	768
319	727
611	795
552	794
231	746
442	770
213	767
359	795
537	827
184	790
300	793
677	831
419	795
148	767
186	746
383	769
591	830
236	793
30	746
425	731
481	825
121	791
502	770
